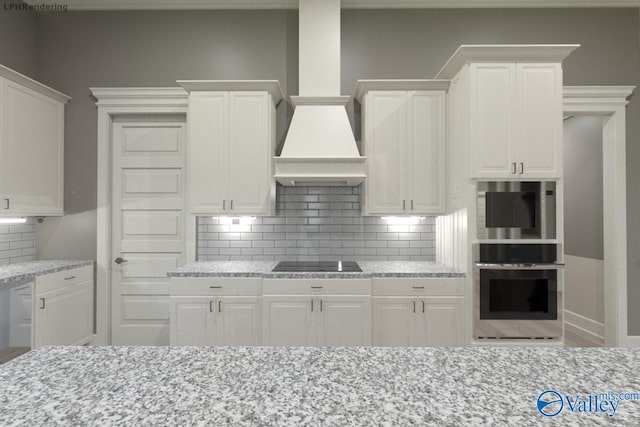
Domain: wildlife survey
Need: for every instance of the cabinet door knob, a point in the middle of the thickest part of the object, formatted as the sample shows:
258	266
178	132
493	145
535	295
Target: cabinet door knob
7	203
231	205
404	205
423	306
224	205
41	303
312	304
521	168
320	305
411	204
513	168
211	306
120	260
414	306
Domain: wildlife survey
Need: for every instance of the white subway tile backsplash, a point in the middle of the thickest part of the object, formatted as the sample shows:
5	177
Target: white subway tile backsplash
17	242
311	224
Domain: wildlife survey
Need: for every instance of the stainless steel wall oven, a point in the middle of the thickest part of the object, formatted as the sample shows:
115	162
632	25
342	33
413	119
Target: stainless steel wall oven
517	292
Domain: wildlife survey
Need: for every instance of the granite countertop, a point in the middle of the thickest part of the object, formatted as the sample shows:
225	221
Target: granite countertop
263	269
13	274
187	386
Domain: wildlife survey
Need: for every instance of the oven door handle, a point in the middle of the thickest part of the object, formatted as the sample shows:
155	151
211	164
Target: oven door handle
523	266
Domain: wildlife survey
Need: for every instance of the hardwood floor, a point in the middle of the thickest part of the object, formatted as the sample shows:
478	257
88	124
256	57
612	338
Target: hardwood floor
11	353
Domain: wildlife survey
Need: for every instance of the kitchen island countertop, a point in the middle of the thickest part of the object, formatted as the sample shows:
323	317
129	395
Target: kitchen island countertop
18	273
263	269
169	386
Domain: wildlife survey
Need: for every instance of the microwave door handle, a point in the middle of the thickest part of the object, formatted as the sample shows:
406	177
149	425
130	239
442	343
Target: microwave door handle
523	266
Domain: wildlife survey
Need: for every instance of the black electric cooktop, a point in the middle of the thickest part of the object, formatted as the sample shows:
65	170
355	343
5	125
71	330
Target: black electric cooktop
318	266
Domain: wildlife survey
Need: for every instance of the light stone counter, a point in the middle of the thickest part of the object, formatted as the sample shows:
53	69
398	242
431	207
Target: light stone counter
267	386
263	269
15	274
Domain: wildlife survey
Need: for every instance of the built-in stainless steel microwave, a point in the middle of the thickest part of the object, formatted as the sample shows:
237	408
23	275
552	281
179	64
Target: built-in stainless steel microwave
516	210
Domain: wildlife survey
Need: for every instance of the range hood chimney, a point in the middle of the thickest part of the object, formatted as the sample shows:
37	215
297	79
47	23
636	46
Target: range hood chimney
319	148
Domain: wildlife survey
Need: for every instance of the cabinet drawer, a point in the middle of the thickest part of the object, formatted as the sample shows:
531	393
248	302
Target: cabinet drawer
64	278
212	286
317	287
418	287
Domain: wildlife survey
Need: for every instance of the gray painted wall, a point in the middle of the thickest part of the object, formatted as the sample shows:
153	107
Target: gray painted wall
583	187
76	50
17	38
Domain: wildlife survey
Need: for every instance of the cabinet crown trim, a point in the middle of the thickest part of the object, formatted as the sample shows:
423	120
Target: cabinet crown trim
32	84
504	52
364	86
271	86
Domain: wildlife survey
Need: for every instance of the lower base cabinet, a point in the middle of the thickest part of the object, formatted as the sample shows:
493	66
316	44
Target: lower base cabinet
418	312
311	320
215	312
63	308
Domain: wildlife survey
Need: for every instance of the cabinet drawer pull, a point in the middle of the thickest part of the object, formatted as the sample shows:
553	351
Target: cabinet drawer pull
42	303
411	204
418	287
224	205
215	287
404	205
70	278
521	168
513	168
316	287
7	203
231	205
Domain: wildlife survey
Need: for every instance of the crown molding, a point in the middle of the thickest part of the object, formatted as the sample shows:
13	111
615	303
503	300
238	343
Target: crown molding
97	5
140	96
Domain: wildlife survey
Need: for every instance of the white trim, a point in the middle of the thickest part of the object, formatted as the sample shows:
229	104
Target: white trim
271	86
585	324
610	103
113	102
363	86
346	4
25	81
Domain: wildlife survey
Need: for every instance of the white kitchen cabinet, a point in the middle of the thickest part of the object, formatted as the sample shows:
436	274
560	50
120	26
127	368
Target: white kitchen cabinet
317	312
505	114
404	139
63	308
231	147
516	120
418	312
215	312
31	147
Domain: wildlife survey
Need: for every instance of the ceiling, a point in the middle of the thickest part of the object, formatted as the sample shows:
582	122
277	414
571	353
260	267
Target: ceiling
346	4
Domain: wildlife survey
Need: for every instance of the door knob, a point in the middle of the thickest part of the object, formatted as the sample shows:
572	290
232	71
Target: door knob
119	260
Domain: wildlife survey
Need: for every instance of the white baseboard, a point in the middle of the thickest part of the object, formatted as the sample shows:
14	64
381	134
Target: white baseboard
631	341
583	326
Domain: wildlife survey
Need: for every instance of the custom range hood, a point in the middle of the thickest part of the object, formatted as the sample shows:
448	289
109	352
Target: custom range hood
319	148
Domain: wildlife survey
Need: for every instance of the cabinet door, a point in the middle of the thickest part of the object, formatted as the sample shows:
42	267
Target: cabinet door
64	316
250	153
238	321
385	135
31	152
344	321
20	307
191	321
426	152
288	321
539	140
208	159
441	322
492	120
393	319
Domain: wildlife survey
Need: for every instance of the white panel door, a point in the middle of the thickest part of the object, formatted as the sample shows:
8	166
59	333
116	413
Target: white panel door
344	321
238	321
539	141
426	152
441	322
492	120
288	321
61	316
250	153
192	321
148	225
32	152
385	131
393	319
208	151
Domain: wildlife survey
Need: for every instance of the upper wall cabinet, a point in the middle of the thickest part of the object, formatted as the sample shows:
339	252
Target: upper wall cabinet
403	127
231	146
31	147
506	110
